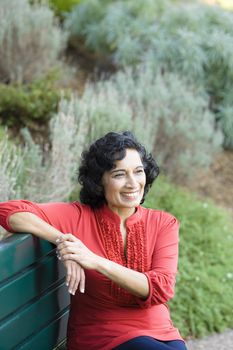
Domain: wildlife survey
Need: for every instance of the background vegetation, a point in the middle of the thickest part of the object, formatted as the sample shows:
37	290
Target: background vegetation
164	69
192	40
203	302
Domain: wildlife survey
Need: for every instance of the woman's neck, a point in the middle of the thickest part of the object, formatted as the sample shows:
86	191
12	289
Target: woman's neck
123	213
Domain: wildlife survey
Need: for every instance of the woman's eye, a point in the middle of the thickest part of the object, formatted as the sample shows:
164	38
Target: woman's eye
118	175
140	171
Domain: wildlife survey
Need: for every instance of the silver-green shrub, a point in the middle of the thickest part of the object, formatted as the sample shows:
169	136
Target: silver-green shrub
194	41
168	115
43	175
30	41
10	167
106	25
171	117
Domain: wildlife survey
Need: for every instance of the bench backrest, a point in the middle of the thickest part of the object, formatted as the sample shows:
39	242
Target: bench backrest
34	302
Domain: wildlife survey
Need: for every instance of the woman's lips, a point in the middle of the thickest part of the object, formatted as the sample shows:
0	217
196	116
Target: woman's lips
130	195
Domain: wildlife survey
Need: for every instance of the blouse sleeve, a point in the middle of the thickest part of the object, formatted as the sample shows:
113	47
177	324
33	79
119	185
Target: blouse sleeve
162	275
63	216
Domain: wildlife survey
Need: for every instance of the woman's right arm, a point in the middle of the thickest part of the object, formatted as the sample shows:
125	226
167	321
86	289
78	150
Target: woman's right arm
15	217
30	223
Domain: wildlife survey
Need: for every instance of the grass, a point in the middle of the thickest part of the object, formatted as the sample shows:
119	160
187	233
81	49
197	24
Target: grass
203	302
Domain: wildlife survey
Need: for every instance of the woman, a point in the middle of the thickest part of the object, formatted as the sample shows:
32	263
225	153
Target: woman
129	253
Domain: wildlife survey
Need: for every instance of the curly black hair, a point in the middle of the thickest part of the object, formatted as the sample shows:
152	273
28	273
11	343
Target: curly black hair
100	157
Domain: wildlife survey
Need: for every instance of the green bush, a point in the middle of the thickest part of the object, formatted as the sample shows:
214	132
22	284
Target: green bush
61	7
30	41
28	105
203	303
192	40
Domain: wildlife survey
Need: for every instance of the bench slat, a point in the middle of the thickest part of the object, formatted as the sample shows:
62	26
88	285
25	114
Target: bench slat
49	336
33	317
34	300
19	251
29	284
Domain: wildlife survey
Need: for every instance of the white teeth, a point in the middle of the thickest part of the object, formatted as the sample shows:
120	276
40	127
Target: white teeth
134	194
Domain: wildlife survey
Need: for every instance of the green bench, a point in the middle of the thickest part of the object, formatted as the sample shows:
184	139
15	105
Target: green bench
34	301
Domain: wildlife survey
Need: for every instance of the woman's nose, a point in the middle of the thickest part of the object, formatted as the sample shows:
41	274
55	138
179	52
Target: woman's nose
131	182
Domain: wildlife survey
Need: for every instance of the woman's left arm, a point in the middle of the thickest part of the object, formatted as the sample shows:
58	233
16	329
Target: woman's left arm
71	248
155	286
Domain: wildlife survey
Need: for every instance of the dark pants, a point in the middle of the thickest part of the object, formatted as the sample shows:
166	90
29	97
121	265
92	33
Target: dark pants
149	343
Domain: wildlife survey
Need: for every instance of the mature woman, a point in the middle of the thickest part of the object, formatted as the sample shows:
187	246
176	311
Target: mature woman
129	253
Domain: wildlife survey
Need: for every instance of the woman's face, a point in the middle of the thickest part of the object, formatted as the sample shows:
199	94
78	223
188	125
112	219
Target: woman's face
124	184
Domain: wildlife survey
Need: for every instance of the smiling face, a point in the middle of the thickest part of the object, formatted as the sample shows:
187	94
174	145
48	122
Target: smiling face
124	184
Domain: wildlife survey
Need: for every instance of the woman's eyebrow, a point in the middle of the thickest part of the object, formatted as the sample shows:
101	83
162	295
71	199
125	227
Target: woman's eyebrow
116	170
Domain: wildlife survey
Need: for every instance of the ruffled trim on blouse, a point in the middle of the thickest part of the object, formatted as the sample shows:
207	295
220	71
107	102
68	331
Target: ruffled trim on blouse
136	248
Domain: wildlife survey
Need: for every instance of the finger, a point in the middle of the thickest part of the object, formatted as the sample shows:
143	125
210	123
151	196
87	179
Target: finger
59	239
63	244
68	274
67	244
58	255
69	237
65	252
78	276
70	256
82	281
73	279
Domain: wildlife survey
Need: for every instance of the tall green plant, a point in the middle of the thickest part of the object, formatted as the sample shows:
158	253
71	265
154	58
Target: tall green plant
30	41
10	167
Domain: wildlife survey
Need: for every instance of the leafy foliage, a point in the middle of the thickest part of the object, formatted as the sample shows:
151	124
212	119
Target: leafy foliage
163	111
61	7
203	302
24	168
30	41
191	40
10	166
140	101
28	105
105	24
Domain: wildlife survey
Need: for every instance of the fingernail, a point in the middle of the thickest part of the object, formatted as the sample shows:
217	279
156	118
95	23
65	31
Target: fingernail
57	240
67	284
82	290
70	291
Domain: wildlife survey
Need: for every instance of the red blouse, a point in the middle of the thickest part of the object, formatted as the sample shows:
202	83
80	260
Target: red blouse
106	315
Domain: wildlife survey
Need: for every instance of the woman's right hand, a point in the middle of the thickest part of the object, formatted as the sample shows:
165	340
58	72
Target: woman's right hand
75	277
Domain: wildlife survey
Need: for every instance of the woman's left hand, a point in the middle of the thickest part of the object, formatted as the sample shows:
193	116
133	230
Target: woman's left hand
71	248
